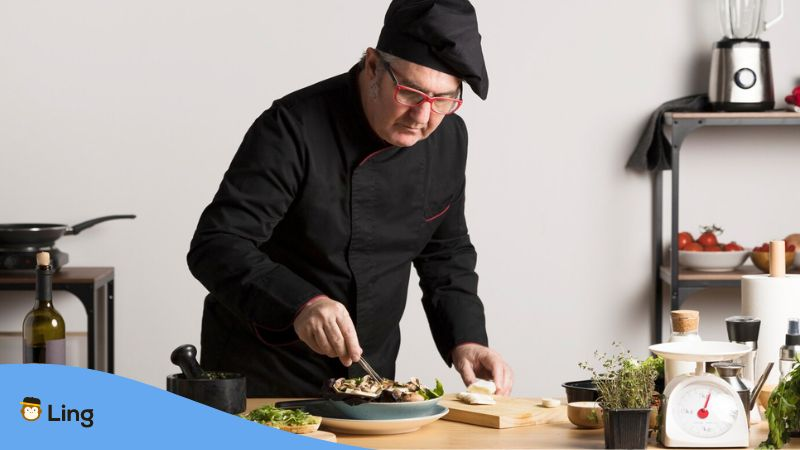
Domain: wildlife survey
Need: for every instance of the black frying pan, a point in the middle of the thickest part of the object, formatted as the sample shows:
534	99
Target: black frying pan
45	234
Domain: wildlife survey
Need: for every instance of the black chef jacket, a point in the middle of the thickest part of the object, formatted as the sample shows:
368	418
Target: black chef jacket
314	203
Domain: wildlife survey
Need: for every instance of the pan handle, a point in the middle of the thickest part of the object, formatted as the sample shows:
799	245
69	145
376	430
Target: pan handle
300	403
75	229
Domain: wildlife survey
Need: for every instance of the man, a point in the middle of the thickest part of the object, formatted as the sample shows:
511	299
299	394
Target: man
335	191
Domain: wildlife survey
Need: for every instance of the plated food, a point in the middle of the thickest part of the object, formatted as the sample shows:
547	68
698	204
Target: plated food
291	420
367	388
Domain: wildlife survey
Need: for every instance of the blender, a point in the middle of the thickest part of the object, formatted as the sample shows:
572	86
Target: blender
741	69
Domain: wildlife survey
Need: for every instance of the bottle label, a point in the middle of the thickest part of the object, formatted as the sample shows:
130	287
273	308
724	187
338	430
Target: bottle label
53	352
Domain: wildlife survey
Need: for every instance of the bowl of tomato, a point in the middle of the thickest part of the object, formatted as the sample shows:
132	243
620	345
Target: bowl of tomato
708	254
760	257
712	261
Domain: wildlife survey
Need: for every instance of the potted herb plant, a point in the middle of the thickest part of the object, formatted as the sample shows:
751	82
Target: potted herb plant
626	389
783	410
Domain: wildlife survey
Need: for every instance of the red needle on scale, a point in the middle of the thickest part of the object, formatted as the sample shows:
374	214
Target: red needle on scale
703	412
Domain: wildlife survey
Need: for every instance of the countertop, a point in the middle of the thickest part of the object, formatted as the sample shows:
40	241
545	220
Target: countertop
444	434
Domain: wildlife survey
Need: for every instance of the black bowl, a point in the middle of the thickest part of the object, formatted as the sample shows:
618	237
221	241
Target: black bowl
224	391
581	391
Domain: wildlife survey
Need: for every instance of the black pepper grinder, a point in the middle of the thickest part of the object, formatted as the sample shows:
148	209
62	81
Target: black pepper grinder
185	357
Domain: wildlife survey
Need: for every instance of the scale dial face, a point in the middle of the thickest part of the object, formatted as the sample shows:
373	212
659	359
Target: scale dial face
705	410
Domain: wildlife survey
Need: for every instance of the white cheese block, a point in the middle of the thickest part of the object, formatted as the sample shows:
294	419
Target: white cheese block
551	402
483	387
472	398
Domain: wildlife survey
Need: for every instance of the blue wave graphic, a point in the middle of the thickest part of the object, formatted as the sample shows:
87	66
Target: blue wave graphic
100	410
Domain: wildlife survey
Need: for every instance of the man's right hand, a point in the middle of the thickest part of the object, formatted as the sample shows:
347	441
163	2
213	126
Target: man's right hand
325	326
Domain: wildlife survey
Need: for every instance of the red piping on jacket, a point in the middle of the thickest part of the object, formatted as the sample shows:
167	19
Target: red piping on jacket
431	219
373	154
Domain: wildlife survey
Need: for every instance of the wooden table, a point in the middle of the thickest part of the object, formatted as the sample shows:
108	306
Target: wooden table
444	434
94	287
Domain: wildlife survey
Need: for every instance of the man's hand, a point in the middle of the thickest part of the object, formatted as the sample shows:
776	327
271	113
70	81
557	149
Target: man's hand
475	361
326	327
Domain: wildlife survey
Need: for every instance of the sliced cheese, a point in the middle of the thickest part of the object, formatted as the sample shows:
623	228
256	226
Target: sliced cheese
472	398
551	402
483	387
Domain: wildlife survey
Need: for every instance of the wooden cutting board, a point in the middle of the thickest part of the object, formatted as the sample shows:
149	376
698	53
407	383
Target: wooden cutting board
508	412
321	435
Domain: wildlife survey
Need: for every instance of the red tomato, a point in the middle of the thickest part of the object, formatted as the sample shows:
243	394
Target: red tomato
707	239
684	237
693	247
712	248
732	247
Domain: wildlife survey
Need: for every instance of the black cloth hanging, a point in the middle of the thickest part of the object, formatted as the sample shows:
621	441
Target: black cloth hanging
654	152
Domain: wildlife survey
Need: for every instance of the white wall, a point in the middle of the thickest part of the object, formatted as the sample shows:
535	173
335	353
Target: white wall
138	107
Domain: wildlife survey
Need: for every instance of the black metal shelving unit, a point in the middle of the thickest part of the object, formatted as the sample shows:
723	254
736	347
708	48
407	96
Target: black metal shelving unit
683	283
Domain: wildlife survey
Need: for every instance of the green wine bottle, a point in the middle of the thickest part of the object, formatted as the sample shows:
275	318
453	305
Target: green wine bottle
43	336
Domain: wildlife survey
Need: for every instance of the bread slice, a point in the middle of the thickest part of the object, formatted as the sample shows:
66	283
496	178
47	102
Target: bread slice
297	429
300	429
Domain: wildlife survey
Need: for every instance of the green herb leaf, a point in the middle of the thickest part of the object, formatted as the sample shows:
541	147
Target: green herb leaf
273	415
783	415
437	392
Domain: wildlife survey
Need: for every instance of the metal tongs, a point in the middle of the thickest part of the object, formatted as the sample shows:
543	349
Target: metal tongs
365	365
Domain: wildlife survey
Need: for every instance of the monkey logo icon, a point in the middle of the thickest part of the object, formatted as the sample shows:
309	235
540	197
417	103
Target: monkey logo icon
31	408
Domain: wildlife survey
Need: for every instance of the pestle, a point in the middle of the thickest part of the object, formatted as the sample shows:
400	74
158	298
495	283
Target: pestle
185	358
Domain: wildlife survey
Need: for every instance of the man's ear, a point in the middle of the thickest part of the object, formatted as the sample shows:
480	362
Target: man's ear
371	63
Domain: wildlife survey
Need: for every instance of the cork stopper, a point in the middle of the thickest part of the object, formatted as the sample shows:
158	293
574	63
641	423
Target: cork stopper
43	259
685	320
777	258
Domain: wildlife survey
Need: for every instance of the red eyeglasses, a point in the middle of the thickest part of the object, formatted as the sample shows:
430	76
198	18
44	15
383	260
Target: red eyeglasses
407	96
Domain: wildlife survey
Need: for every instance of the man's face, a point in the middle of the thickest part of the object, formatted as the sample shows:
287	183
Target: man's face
398	124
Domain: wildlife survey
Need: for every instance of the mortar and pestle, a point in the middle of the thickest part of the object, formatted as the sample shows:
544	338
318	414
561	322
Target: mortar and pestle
225	391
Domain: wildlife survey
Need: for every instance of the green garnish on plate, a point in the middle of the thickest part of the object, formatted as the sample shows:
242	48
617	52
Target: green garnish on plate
270	415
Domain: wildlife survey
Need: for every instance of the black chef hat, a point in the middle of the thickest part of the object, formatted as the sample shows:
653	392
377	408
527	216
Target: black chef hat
30	401
440	34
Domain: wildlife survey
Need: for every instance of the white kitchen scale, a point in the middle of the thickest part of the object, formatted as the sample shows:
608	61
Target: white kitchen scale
701	409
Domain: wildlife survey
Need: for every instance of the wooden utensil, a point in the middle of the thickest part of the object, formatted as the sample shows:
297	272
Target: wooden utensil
507	413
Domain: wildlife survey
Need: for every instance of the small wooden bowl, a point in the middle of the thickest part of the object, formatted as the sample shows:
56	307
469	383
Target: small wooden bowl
763	396
761	260
585	414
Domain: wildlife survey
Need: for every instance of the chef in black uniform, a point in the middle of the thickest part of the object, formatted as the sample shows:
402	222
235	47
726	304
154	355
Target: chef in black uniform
335	191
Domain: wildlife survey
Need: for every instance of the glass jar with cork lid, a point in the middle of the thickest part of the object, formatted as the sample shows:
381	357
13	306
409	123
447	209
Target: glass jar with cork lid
685	324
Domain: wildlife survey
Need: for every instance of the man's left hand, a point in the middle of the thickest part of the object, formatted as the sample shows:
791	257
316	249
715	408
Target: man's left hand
475	361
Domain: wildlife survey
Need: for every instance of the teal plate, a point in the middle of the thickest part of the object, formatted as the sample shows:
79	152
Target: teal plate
338	409
394	426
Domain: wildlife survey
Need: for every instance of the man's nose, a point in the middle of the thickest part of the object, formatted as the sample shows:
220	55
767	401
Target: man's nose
422	112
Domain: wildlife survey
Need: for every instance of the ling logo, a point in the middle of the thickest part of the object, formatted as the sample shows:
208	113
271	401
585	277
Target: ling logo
31	408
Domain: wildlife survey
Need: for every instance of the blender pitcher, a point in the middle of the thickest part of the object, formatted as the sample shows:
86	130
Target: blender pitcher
741	67
744	19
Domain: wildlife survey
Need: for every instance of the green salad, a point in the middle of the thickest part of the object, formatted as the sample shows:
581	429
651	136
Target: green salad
270	415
